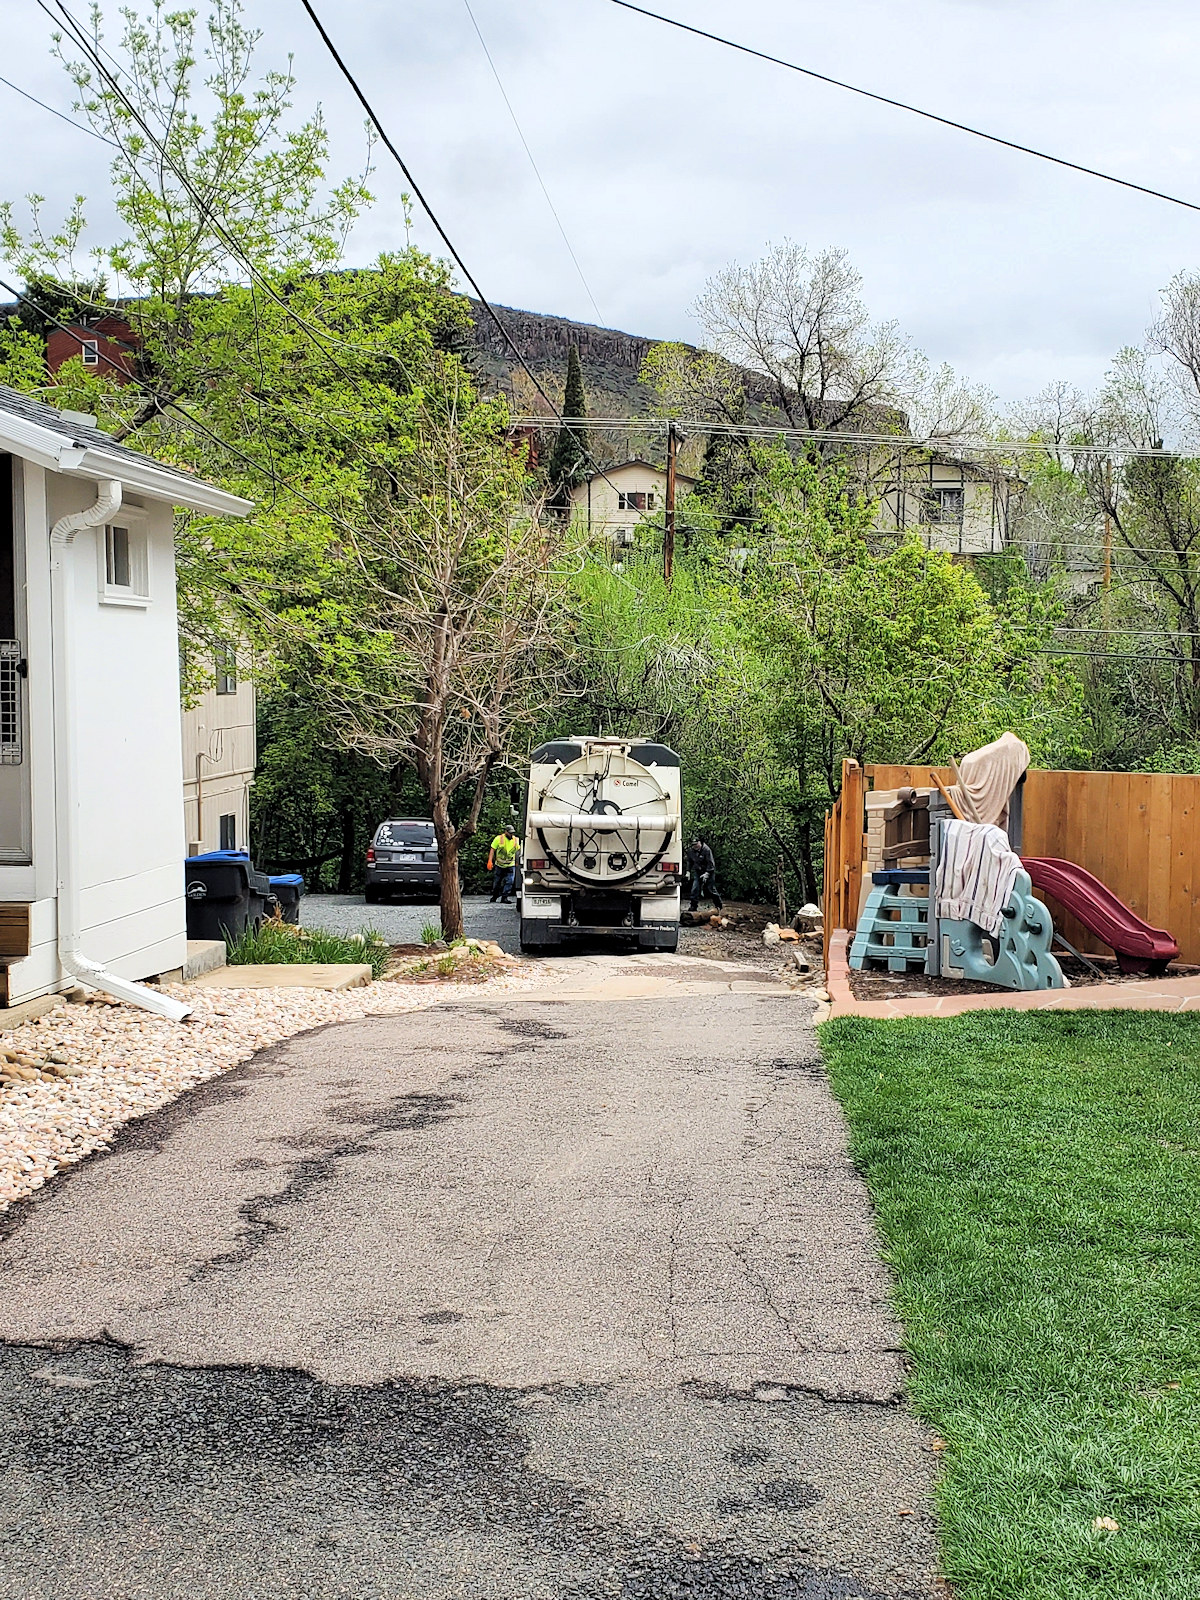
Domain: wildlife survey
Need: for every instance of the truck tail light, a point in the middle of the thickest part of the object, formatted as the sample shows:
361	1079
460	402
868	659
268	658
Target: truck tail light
668	866
535	865
370	855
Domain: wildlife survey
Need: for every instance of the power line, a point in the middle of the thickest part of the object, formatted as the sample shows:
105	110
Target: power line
769	430
429	211
577	422
226	238
62	117
537	174
1112	655
902	105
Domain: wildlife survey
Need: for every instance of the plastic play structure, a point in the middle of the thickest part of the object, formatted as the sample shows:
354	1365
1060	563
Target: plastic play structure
938	855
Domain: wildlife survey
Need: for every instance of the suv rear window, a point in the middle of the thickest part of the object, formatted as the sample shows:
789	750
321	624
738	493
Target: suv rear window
418	834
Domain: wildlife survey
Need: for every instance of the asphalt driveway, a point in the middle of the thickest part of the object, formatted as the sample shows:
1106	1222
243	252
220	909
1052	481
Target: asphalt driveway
558	1297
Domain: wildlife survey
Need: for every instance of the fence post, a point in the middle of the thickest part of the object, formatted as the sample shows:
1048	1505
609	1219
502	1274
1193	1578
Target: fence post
853	801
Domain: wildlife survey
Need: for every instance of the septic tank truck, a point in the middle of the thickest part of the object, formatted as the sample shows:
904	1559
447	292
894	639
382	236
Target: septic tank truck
603	845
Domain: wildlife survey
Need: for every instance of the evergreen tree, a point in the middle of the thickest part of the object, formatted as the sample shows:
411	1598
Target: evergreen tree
568	461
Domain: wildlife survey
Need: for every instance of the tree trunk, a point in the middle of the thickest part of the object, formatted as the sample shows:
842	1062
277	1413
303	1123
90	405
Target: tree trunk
451	898
811	892
346	865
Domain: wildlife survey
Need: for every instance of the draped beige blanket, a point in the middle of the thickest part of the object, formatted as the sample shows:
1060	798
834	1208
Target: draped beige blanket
988	776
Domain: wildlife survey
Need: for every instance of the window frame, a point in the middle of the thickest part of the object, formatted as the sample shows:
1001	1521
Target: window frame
938	514
137	592
226	670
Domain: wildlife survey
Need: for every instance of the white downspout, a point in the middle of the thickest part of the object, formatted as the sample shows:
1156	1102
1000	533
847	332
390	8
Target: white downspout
91	973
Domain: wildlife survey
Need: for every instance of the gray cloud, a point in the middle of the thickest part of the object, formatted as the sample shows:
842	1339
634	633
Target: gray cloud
667	156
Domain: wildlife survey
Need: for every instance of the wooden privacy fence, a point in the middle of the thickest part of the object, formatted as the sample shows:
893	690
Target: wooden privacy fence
1138	832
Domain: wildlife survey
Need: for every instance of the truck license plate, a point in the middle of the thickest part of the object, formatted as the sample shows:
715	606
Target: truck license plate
405	856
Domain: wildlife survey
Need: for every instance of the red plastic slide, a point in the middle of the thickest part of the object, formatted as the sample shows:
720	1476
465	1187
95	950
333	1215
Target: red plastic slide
1138	946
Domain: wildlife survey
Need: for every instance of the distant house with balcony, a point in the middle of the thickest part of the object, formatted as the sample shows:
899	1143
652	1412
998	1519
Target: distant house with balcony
953	503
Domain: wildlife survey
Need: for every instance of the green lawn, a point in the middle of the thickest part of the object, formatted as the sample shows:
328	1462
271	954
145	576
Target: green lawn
1037	1182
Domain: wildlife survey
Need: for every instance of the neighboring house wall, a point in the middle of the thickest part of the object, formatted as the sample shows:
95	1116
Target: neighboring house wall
218	764
950	507
103	344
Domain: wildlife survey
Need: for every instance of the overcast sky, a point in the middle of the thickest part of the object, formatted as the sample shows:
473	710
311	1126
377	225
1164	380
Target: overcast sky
668	156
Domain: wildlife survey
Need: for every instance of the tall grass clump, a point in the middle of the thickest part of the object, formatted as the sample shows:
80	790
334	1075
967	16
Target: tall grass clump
274	942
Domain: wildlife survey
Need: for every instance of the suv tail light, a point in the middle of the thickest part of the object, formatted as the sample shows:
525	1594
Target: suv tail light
535	865
668	866
370	855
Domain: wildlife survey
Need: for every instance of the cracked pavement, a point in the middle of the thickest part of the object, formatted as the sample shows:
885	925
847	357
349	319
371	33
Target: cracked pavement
547	1296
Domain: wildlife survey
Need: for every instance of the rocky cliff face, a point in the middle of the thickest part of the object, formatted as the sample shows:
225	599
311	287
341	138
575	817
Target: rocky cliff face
545	340
611	359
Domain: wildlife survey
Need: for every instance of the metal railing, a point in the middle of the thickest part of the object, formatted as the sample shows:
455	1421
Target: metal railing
12	667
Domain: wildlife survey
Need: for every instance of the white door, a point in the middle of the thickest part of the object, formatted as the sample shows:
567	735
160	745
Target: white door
15	814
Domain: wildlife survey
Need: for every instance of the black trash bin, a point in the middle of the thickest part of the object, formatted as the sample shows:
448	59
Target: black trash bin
286	889
225	895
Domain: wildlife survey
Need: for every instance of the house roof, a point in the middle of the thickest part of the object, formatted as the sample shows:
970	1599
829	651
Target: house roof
637	461
68	442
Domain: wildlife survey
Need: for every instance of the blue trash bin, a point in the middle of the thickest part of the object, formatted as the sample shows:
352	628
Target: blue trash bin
286	889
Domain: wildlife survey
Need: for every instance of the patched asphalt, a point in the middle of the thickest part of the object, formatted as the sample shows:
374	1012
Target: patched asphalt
535	1298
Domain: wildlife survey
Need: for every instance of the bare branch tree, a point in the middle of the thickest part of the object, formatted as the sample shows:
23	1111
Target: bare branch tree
459	586
800	320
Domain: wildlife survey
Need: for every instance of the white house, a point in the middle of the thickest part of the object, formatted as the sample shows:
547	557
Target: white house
615	501
91	822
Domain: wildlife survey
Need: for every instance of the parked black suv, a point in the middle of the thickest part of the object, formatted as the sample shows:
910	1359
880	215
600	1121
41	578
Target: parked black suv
403	859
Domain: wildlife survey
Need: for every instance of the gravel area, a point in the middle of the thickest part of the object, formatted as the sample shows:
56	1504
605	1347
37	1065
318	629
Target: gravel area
119	1062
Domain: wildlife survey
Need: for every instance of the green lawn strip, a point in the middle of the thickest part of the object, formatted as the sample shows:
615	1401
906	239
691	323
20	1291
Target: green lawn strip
1037	1183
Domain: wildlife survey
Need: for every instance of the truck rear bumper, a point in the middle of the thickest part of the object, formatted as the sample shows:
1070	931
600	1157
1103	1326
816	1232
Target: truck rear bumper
538	934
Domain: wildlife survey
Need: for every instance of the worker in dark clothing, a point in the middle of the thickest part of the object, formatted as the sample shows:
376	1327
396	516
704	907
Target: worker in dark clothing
702	866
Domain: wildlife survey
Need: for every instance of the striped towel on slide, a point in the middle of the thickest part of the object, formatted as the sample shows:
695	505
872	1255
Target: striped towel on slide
976	872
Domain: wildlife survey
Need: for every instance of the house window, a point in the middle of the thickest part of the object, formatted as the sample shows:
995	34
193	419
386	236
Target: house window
633	500
125	577
229	832
89	351
227	670
944	505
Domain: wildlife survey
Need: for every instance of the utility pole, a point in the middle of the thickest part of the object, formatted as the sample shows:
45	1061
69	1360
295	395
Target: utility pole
1108	539
669	514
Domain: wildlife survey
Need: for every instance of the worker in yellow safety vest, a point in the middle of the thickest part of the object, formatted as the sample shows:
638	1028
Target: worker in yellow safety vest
502	864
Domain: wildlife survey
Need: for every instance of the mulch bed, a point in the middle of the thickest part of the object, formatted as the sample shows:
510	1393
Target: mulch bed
877	985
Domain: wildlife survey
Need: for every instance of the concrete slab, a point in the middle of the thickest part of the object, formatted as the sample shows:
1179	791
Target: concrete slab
288	975
203	955
14	1016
